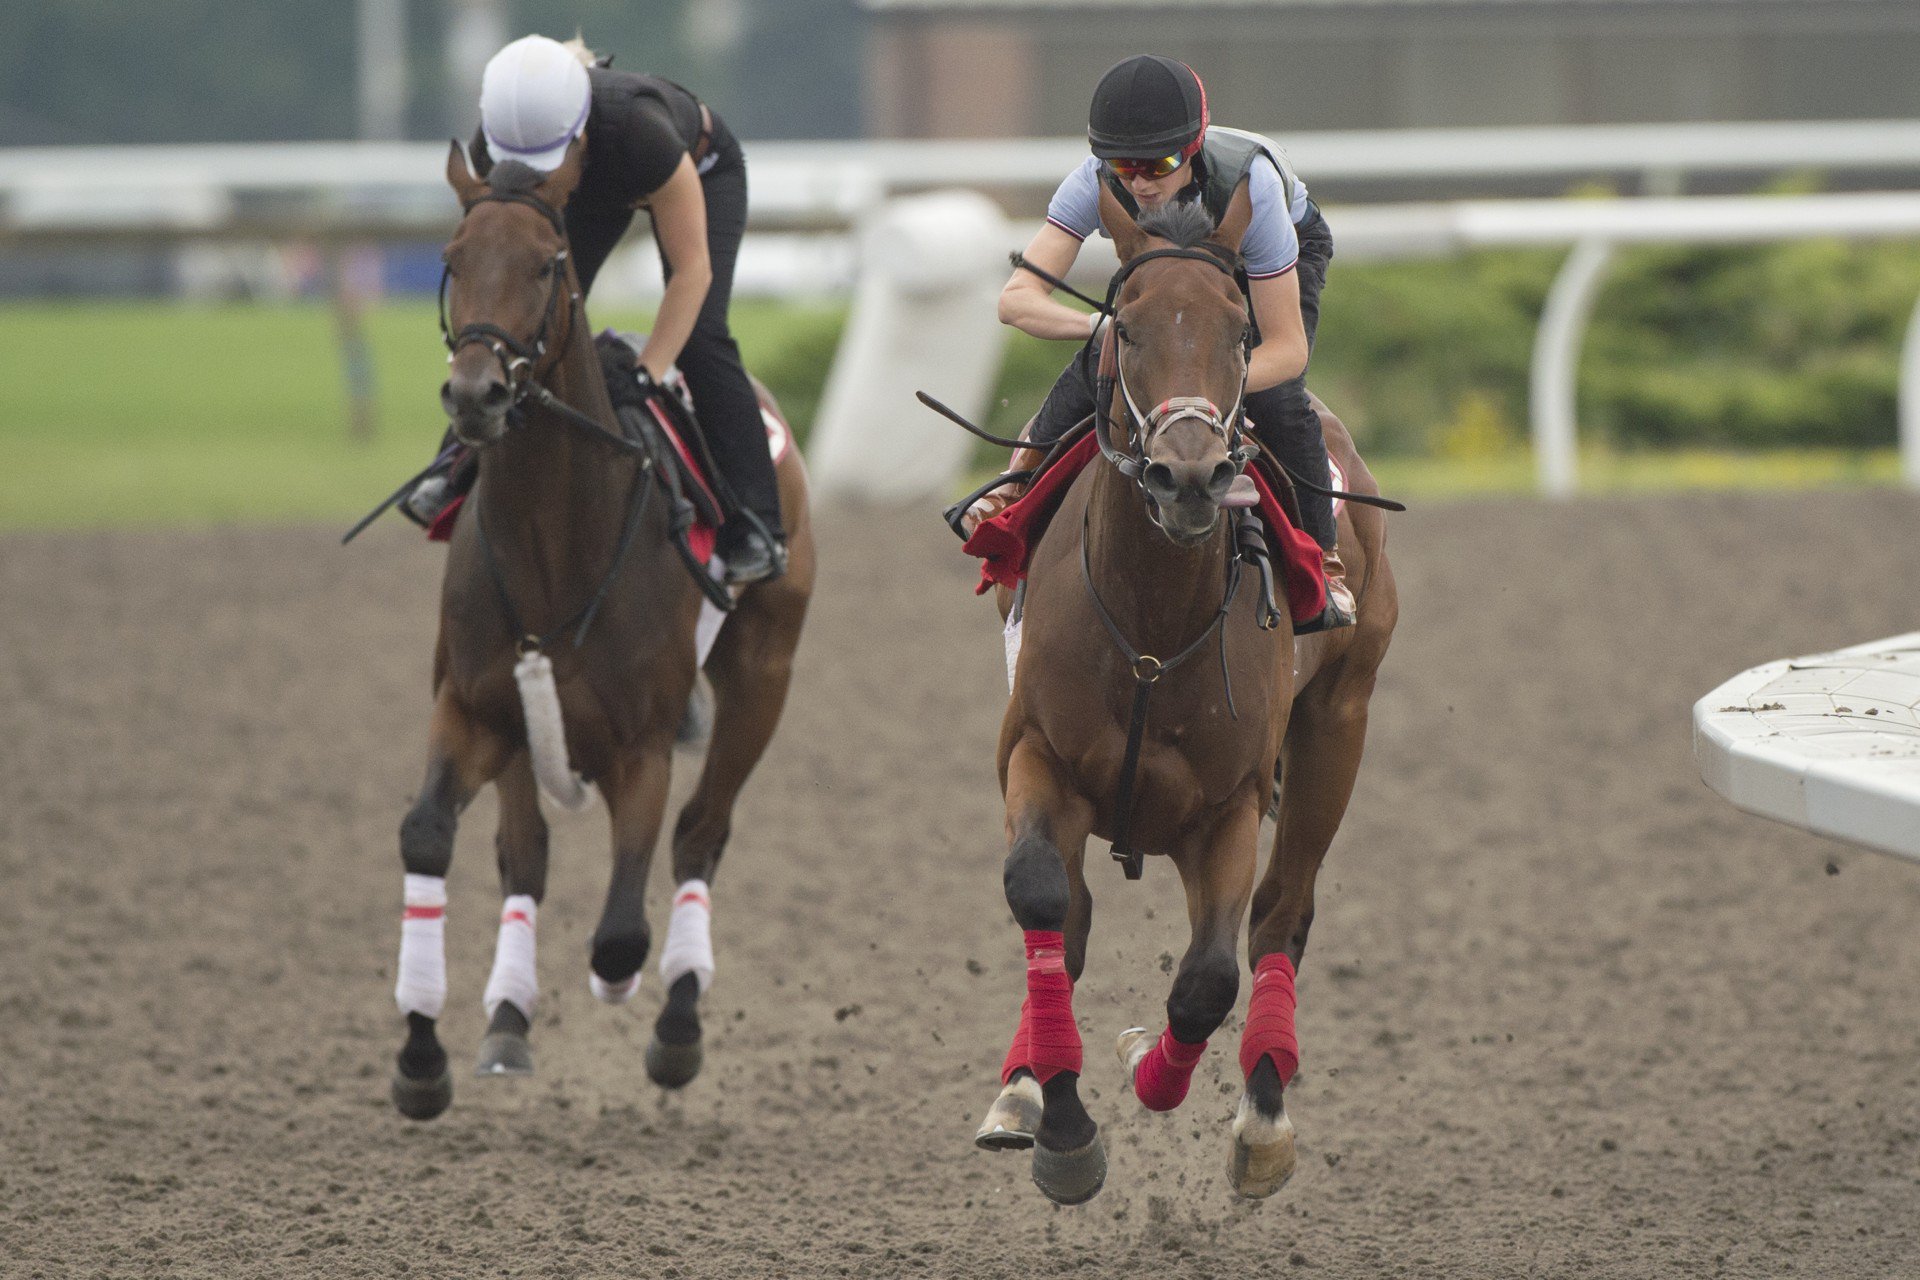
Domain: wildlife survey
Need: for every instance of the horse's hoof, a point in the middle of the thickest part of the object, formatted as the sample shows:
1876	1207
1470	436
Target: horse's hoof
1013	1118
422	1099
1262	1157
672	1066
1070	1177
1134	1044
503	1053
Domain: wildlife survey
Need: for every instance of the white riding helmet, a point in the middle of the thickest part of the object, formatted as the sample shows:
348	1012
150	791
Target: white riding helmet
534	98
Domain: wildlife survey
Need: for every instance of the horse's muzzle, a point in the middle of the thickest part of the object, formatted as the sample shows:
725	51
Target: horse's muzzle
1186	497
476	406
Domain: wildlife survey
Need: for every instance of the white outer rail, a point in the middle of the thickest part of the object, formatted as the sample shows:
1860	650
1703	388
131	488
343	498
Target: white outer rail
1829	743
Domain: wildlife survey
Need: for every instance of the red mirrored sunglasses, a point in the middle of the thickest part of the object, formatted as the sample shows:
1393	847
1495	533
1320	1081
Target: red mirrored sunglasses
1156	168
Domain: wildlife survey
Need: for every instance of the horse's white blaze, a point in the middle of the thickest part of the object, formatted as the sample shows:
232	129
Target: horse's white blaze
613	992
422	983
547	734
513	977
689	946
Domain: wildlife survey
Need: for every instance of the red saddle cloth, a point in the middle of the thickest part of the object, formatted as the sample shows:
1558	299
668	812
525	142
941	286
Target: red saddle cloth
1005	543
701	536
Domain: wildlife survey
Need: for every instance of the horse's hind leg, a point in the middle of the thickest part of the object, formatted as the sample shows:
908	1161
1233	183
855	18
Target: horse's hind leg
461	758
1047	827
750	667
1322	754
513	987
636	802
1218	877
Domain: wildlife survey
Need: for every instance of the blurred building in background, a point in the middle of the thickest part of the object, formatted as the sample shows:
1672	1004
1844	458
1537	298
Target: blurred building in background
1018	68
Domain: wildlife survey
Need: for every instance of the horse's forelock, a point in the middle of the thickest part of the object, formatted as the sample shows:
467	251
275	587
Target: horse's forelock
1185	223
510	177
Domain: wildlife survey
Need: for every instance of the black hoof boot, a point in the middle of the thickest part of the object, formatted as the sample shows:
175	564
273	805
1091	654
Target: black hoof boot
674	1055
422	1083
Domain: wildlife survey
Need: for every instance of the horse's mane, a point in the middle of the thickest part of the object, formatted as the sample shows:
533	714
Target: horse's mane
510	178
1186	223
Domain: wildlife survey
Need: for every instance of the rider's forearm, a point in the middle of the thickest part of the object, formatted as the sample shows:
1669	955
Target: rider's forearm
1276	361
679	309
1033	312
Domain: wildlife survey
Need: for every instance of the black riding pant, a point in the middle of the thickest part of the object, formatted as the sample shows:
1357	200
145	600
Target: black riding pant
1282	417
722	394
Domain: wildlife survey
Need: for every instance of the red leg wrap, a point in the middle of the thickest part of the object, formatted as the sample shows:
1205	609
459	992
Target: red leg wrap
1161	1079
1048	1041
1269	1030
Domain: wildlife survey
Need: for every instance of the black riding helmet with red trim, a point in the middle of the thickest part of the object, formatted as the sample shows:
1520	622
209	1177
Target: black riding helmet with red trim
1147	105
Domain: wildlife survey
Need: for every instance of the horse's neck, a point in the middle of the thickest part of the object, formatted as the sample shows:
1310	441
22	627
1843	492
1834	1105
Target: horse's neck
1160	594
550	474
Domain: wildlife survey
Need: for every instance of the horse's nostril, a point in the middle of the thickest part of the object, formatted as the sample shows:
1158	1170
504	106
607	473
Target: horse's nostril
1158	478
1222	477
496	396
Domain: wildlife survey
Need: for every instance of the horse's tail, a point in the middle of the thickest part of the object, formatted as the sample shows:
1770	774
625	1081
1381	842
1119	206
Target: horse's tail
547	734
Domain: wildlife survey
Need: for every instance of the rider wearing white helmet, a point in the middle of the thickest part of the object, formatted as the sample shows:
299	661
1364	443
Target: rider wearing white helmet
652	145
1151	143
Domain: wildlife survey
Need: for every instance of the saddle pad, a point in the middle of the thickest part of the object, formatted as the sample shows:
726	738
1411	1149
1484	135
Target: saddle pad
1005	543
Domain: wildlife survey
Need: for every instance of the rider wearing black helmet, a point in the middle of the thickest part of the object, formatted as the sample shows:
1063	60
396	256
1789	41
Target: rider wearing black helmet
1151	143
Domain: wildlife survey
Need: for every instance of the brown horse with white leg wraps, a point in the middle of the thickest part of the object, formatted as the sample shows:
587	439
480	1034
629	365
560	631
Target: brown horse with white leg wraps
567	646
1134	577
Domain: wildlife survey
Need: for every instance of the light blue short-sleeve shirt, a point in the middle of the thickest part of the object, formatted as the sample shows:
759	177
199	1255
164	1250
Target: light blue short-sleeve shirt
1270	248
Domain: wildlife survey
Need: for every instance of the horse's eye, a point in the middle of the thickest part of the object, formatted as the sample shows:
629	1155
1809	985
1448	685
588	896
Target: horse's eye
1120	332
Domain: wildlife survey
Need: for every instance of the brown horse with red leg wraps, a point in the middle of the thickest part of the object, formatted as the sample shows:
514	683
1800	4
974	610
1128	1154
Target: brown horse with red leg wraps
1133	577
567	646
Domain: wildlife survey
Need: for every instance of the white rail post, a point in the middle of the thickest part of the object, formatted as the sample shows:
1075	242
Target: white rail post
1552	393
924	318
1910	402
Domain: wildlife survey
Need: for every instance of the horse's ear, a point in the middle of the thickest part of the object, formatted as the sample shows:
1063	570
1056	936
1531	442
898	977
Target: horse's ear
1128	239
558	186
461	177
1233	224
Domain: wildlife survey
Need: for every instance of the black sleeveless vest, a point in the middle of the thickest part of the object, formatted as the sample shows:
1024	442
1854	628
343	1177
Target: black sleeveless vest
1225	160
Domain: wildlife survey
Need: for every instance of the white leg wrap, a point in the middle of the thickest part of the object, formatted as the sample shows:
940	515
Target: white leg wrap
613	992
707	629
1012	633
422	984
689	946
513	969
547	734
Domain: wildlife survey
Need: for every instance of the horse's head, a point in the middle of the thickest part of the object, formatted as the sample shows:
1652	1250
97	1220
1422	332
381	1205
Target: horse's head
1177	355
508	290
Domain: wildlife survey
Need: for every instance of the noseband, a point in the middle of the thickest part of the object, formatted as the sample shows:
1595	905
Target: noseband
1142	427
519	360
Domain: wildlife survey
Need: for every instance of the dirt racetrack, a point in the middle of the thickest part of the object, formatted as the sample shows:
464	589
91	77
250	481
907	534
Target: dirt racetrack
1565	1012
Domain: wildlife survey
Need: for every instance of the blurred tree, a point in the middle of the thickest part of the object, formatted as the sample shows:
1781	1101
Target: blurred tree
123	71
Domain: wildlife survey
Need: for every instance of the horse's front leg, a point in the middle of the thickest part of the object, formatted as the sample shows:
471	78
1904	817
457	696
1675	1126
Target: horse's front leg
462	757
636	802
513	987
1322	752
1217	874
1047	825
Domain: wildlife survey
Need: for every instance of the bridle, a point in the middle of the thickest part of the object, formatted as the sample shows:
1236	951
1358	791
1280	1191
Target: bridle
520	361
1144	426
